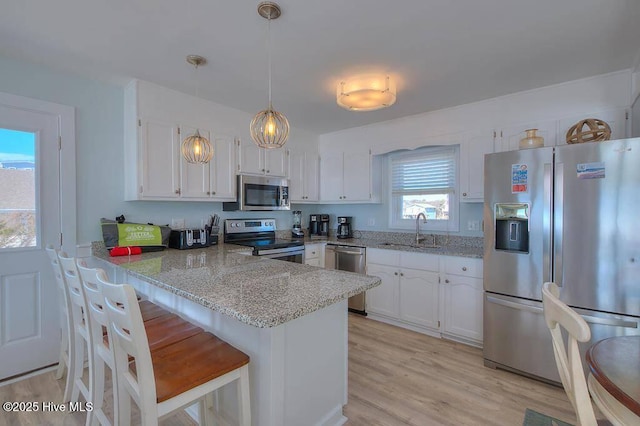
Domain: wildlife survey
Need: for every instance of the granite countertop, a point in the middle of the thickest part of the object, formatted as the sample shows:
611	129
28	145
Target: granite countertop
256	291
463	247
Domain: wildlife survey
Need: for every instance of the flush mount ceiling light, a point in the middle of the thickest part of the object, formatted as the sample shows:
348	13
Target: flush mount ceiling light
366	93
196	148
269	128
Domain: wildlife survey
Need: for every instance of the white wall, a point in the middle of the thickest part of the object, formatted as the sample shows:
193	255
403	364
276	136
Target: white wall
548	103
100	151
99	138
556	102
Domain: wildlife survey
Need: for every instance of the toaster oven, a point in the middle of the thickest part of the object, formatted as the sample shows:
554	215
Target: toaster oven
183	239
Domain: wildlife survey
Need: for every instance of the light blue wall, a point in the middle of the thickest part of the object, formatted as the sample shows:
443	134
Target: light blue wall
99	150
380	214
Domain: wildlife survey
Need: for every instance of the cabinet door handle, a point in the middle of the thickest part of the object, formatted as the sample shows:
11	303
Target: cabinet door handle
178	191
446	281
208	193
464	268
464	194
395	273
263	170
214	192
402	274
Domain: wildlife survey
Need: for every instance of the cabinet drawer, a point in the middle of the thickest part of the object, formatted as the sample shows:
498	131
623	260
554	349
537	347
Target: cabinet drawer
421	261
383	257
465	266
312	251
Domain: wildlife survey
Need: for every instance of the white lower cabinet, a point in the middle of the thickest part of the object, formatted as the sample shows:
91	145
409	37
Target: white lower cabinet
383	299
314	254
419	297
462	302
409	289
435	295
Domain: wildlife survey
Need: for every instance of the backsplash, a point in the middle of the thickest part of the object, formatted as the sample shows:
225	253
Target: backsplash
406	238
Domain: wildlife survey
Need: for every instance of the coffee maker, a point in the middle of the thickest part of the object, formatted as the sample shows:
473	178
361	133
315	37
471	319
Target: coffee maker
344	227
319	225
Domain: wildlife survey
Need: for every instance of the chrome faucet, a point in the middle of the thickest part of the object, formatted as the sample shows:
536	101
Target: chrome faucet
418	237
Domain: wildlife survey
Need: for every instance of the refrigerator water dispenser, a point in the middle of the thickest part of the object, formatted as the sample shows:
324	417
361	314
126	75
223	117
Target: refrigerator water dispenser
512	227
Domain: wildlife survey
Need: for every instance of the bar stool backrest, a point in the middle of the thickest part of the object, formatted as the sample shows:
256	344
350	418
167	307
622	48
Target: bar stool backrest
67	344
129	339
568	360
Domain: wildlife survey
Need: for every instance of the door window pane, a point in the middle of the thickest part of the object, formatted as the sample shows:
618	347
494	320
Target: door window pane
17	189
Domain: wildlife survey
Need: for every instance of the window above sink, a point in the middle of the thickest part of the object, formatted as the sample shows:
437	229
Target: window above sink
424	181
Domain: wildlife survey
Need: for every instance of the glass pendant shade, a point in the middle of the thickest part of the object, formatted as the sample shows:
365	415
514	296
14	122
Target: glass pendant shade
197	149
366	93
269	129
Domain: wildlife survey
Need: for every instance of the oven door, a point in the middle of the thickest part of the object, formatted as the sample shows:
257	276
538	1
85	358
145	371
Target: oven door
289	254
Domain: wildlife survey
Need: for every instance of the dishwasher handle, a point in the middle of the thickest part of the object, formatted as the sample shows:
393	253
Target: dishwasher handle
346	249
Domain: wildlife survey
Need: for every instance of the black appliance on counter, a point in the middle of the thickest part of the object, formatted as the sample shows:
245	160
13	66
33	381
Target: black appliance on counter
183	239
345	229
319	225
260	234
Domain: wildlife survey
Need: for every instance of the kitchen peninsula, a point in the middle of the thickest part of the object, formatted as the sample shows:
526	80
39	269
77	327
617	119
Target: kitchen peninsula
291	319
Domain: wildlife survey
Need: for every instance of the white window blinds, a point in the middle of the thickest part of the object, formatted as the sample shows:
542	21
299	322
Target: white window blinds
429	171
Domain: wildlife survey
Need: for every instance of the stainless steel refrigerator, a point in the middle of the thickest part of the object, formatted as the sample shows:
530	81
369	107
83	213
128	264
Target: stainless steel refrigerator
569	214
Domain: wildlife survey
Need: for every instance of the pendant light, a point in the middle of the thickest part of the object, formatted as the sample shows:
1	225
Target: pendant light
196	149
269	128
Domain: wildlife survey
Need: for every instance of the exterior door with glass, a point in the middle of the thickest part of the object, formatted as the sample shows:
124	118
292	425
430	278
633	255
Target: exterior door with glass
30	219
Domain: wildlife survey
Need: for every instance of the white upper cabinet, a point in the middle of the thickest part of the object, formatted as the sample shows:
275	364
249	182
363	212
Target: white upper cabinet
222	180
215	180
154	167
472	152
346	177
159	170
554	132
303	176
260	161
194	178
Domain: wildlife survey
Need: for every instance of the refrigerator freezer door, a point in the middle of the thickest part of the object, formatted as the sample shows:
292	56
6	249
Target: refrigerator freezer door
597	225
517	338
518	178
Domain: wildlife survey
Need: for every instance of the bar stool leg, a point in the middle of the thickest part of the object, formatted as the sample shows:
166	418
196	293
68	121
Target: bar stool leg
77	371
243	397
97	390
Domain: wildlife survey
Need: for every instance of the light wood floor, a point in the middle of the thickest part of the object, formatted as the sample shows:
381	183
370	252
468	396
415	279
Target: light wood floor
396	377
399	377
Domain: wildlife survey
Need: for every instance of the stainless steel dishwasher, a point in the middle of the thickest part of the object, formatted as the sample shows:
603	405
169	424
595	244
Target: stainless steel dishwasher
352	259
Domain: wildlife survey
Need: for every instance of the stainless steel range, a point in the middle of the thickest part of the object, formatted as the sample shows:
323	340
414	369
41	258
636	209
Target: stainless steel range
260	234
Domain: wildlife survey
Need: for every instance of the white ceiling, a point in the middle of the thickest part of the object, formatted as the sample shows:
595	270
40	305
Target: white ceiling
442	52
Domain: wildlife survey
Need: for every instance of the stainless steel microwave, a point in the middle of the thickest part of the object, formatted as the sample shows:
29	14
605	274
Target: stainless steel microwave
260	193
